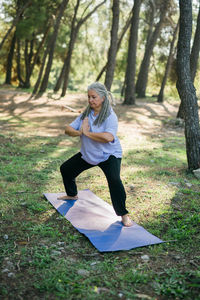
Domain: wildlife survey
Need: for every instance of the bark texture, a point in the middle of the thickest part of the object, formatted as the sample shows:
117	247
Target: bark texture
131	60
194	57
122	34
10	60
186	88
19	76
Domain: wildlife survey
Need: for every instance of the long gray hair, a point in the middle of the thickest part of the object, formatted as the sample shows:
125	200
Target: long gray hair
105	111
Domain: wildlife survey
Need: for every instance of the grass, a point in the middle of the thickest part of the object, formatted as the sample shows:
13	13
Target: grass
43	257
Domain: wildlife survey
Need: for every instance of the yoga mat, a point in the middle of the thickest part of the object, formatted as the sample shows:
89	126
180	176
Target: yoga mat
97	220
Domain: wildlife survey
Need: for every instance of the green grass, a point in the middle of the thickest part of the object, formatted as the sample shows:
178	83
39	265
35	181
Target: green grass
45	253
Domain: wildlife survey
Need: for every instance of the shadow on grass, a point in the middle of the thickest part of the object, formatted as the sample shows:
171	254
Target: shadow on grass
167	159
31	228
20	111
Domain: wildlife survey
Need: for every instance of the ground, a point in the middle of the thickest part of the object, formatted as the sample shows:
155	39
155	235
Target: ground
43	256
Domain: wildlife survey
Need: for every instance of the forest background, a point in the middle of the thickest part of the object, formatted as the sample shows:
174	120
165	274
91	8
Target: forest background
73	42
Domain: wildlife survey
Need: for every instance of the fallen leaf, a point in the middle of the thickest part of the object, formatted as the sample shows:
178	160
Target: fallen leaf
22	242
143	296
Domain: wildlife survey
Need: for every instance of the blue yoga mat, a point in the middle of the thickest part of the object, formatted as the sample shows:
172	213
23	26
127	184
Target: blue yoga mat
97	220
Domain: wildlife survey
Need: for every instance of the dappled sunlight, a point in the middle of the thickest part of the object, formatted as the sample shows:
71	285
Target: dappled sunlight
148	119
149	201
147	196
44	116
161	196
44	216
48	113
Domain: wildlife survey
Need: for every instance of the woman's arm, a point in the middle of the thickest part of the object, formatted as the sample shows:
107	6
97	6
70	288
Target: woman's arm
102	137
72	132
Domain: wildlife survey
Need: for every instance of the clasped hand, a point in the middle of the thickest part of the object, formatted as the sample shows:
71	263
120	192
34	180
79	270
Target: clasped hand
85	126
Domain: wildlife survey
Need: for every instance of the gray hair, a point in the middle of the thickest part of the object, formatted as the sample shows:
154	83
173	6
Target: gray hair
105	111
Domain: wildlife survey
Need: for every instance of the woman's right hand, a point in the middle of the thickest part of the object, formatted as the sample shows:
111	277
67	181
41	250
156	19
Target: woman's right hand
72	132
85	126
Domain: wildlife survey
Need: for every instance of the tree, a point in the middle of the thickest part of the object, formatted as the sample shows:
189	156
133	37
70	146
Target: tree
195	49
15	21
168	65
51	46
194	56
20	8
113	45
10	60
142	79
121	36
31	23
186	88
64	75
37	84
36	55
131	60
21	81
67	62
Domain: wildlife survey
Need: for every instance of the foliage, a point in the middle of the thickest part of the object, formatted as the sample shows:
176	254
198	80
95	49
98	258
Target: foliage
90	53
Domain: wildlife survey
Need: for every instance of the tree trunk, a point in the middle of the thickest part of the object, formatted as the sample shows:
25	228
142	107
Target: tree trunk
186	88
124	30
37	84
28	59
101	72
10	60
60	79
113	46
67	65
69	54
142	79
26	84
51	47
19	77
67	60
131	60
168	65
150	20
194	56
35	57
195	49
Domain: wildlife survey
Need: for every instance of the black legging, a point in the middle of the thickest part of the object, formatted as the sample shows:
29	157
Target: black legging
111	168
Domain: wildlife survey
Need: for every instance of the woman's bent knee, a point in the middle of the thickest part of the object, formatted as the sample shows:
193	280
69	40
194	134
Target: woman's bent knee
61	169
64	168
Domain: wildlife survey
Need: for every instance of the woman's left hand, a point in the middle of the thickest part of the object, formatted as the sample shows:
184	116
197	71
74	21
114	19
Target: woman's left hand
85	125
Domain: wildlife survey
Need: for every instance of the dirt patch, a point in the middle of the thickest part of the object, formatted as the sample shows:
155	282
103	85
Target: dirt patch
45	116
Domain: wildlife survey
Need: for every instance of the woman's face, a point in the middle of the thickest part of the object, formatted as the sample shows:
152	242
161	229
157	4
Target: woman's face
94	100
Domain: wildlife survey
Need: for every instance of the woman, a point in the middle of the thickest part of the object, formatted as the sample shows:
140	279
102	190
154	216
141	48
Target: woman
97	128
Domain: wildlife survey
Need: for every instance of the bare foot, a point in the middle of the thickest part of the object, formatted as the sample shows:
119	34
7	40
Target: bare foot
67	198
127	221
